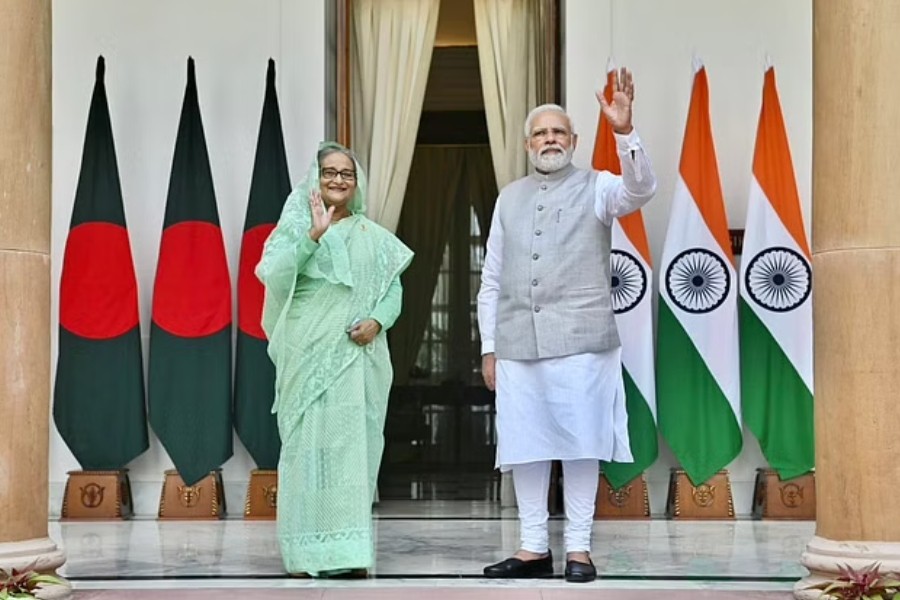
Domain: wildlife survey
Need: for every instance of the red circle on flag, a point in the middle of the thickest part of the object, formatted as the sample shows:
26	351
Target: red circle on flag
98	291
192	294
250	290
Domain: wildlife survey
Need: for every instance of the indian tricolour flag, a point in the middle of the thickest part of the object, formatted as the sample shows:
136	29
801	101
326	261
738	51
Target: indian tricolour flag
775	305
698	381
632	273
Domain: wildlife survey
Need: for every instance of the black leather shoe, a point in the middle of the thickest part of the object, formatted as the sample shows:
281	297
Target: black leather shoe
516	568
577	572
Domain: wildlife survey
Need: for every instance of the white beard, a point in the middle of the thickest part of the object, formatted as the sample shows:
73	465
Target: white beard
548	163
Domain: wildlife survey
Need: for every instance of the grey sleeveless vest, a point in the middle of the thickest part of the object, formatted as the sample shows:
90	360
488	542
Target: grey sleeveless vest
554	282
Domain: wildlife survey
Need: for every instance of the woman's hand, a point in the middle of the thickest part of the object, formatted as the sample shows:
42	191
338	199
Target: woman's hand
365	331
321	219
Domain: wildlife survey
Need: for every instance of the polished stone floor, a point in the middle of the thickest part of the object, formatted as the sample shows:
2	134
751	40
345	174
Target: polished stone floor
435	545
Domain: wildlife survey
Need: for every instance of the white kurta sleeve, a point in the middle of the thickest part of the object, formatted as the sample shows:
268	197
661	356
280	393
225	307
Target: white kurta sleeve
618	195
489	294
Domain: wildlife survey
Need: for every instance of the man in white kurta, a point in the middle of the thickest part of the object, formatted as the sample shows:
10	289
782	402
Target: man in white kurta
549	341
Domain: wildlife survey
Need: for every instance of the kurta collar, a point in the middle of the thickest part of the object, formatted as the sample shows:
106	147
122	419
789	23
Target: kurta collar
555	175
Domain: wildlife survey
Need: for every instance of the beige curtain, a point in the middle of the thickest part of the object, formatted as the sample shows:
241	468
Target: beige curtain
392	41
511	40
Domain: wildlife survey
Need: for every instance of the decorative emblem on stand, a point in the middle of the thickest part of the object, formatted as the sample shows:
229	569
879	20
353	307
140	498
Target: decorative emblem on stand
698	281
628	281
92	495
791	495
271	494
704	495
619	498
189	495
779	279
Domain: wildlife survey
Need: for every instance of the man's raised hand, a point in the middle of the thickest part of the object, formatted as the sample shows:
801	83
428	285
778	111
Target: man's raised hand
618	110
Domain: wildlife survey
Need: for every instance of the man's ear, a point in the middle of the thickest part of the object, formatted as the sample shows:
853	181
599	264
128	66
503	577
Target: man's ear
574	141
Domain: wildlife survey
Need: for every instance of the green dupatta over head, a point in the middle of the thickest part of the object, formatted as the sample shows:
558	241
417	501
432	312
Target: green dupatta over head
288	274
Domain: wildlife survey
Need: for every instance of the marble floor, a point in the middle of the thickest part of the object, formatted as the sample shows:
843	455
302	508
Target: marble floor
435	546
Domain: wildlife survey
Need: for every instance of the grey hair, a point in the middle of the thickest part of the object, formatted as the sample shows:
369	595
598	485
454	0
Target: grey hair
547	108
328	149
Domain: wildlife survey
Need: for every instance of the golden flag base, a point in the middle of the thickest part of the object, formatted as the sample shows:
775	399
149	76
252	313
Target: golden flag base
262	495
631	501
203	500
711	499
789	500
97	495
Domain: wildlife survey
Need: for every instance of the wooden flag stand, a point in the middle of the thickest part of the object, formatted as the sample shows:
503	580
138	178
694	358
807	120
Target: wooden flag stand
631	501
262	495
97	495
711	499
204	500
790	499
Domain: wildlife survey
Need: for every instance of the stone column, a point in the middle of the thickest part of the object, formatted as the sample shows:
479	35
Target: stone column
25	152
856	293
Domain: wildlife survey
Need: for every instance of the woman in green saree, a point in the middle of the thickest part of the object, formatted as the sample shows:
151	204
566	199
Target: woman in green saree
332	289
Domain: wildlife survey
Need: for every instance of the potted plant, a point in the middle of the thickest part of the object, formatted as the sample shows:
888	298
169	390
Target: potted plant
25	584
868	583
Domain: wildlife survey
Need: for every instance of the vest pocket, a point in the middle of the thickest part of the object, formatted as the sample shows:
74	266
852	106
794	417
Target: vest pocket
566	222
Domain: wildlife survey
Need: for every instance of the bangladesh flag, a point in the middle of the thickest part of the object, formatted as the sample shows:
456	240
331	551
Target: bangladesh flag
190	336
254	381
632	271
698	382
775	305
98	399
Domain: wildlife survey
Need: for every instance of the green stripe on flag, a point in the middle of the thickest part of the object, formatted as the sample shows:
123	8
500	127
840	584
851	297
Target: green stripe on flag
98	196
271	182
189	378
777	405
695	417
191	196
99	399
642	435
254	394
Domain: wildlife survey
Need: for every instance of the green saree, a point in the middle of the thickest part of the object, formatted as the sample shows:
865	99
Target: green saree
331	394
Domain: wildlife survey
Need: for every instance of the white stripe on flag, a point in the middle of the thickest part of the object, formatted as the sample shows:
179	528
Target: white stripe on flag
714	334
792	329
636	327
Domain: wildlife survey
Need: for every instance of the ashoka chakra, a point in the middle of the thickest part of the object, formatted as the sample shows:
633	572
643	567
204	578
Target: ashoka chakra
698	280
628	281
779	279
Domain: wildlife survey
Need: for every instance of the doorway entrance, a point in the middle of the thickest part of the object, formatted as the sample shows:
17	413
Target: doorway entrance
440	441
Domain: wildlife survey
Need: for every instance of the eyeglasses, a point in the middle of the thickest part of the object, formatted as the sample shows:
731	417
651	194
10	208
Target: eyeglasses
328	174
